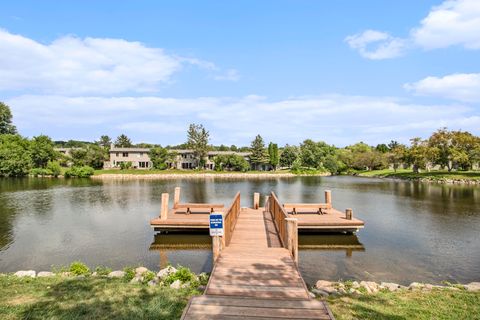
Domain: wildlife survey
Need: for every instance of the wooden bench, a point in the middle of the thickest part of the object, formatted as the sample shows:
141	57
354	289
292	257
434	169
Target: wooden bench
190	206
319	208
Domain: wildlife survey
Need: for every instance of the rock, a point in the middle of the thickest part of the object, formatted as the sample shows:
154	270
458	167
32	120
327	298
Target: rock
320	293
43	274
342	291
116	274
80	277
351	290
95	274
140	270
166	271
201	288
415	285
66	274
177	284
472	286
324	283
370	286
25	273
137	279
355	285
390	286
311	294
152	283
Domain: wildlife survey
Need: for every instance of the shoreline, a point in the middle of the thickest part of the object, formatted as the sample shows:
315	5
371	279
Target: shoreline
447	181
171	176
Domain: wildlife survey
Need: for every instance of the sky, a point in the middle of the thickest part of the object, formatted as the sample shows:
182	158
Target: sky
335	71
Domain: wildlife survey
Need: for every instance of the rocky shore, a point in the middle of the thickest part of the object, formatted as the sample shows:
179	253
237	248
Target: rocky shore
325	288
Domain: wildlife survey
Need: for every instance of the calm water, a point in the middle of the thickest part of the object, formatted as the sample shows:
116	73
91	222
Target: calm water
414	231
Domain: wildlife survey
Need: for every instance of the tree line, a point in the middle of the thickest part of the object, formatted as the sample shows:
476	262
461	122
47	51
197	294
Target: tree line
447	149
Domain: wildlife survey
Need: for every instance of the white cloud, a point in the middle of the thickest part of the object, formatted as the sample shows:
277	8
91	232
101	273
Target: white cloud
454	22
451	23
75	66
376	45
334	118
229	75
460	86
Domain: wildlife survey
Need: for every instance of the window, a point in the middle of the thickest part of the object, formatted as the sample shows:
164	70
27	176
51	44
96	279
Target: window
117	154
141	154
125	154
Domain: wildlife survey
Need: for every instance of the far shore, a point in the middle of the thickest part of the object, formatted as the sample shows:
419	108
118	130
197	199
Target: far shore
434	176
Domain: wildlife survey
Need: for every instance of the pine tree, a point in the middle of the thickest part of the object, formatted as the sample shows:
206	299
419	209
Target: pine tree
257	149
123	141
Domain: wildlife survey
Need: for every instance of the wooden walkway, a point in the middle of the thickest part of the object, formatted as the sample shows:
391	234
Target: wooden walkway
255	278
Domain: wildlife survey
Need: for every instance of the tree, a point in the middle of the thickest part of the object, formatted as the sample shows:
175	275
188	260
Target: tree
95	156
288	156
258	154
79	157
159	157
231	162
223	148
397	155
105	141
42	151
123	142
417	154
233	147
313	154
383	148
441	140
14	155
197	140
6	126
273	155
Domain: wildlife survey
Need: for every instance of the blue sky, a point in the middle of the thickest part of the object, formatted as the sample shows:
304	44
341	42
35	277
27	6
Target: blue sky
338	71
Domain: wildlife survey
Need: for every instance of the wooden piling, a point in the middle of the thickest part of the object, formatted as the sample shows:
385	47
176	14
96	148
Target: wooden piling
176	197
164	207
328	198
267	204
348	214
216	247
256	200
292	237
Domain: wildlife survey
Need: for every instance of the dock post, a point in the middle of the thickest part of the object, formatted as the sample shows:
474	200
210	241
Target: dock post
164	207
256	200
216	247
348	214
328	198
176	197
267	204
292	237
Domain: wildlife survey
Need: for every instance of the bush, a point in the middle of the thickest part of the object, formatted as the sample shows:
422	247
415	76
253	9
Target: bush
148	276
54	168
102	270
125	165
79	269
184	275
79	172
39	172
129	274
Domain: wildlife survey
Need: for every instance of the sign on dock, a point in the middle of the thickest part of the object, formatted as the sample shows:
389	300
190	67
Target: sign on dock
216	224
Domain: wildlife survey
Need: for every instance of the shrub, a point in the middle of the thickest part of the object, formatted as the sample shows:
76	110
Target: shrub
79	172
129	274
102	270
184	275
39	172
125	165
79	269
148	276
54	168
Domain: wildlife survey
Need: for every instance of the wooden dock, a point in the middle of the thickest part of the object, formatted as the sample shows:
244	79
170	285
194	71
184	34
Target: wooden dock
307	214
255	276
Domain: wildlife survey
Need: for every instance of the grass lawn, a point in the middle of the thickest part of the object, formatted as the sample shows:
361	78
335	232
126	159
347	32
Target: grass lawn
89	298
405	304
433	175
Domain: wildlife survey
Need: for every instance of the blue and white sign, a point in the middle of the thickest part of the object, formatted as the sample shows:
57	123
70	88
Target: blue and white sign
216	224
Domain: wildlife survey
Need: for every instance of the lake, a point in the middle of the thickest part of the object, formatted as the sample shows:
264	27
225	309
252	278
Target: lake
413	231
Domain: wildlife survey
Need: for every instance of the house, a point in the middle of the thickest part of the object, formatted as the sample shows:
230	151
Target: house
181	159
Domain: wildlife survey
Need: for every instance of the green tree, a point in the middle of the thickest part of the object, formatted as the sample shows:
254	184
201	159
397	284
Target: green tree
6	126
197	140
231	162
42	150
273	155
54	168
159	157
417	154
258	154
441	142
123	141
313	154
288	156
397	155
233	148
95	156
14	155
105	141
79	157
383	148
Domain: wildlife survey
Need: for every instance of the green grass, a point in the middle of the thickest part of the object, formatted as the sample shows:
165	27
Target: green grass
432	175
404	304
88	298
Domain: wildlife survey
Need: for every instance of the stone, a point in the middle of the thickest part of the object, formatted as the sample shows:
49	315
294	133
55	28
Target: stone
43	274
311	294
351	290
370	286
116	274
342	291
177	284
355	285
25	273
137	279
324	283
319	293
140	270
95	274
472	286
166	272
152	283
66	274
201	288
415	285
390	286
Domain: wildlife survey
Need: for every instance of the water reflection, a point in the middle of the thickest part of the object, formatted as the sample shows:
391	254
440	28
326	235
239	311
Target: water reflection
347	243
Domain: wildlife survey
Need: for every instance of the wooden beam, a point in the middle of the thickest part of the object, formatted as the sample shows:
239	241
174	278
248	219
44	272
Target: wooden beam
348	214
176	197
164	207
292	237
328	198
256	200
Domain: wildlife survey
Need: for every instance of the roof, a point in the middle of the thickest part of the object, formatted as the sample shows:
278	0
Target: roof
179	151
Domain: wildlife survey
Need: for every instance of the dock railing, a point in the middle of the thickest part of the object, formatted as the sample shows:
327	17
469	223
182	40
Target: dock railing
229	221
287	227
